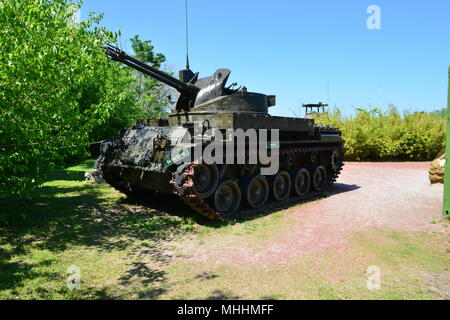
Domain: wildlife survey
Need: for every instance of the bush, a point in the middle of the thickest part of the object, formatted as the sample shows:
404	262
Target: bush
376	135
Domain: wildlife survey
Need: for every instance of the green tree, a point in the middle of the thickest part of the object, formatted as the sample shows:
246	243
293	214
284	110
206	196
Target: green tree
58	91
152	95
441	112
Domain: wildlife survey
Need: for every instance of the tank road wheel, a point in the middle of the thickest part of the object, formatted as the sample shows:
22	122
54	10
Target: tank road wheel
301	181
280	185
206	178
256	192
227	198
319	178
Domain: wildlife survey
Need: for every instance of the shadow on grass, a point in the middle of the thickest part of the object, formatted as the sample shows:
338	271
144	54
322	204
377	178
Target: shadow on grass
61	174
172	205
64	214
206	276
141	271
13	273
220	295
83	217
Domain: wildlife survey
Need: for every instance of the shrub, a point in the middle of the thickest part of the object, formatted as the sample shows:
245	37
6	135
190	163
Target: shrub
376	135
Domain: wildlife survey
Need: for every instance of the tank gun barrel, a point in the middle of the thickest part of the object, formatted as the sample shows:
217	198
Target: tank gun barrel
187	90
118	55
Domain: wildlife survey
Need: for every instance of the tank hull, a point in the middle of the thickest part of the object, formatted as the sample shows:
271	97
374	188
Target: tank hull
142	160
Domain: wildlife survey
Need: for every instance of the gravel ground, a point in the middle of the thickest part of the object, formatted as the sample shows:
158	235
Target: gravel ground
394	195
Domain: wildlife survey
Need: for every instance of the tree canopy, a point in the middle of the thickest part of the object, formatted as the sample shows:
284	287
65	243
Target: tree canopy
152	95
58	91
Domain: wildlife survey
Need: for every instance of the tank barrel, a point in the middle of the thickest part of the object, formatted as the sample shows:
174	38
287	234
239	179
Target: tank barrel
121	56
188	92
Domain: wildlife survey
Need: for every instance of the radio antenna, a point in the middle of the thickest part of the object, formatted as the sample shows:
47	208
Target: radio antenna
187	35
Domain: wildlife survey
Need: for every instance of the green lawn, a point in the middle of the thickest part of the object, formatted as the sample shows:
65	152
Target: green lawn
131	250
68	222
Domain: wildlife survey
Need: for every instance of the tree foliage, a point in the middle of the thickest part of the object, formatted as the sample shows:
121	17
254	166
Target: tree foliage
58	91
151	94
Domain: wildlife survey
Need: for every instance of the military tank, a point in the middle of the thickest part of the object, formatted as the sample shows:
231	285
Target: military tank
264	159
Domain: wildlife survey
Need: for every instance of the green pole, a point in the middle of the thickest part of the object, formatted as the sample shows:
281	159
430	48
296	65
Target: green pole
446	209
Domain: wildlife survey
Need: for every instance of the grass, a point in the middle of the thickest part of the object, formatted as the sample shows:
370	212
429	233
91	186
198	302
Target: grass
134	251
69	221
413	266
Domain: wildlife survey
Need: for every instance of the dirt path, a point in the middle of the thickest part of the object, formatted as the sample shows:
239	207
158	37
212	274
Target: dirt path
397	196
385	215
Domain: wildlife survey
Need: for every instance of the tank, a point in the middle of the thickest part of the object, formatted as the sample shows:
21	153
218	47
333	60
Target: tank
220	150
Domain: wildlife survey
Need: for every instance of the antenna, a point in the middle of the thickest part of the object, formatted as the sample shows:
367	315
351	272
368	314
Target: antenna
187	36
328	91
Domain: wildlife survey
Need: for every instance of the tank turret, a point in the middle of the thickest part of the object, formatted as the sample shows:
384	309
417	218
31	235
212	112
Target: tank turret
209	93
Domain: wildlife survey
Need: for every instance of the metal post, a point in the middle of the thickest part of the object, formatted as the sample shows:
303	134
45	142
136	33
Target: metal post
446	208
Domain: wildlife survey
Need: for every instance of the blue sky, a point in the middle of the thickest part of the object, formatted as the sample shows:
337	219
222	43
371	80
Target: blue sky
295	48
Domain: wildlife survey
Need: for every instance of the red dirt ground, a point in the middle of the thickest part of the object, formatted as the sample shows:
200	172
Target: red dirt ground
370	194
395	195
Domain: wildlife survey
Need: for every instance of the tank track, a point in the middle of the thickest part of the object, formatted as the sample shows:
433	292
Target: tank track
184	185
185	175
